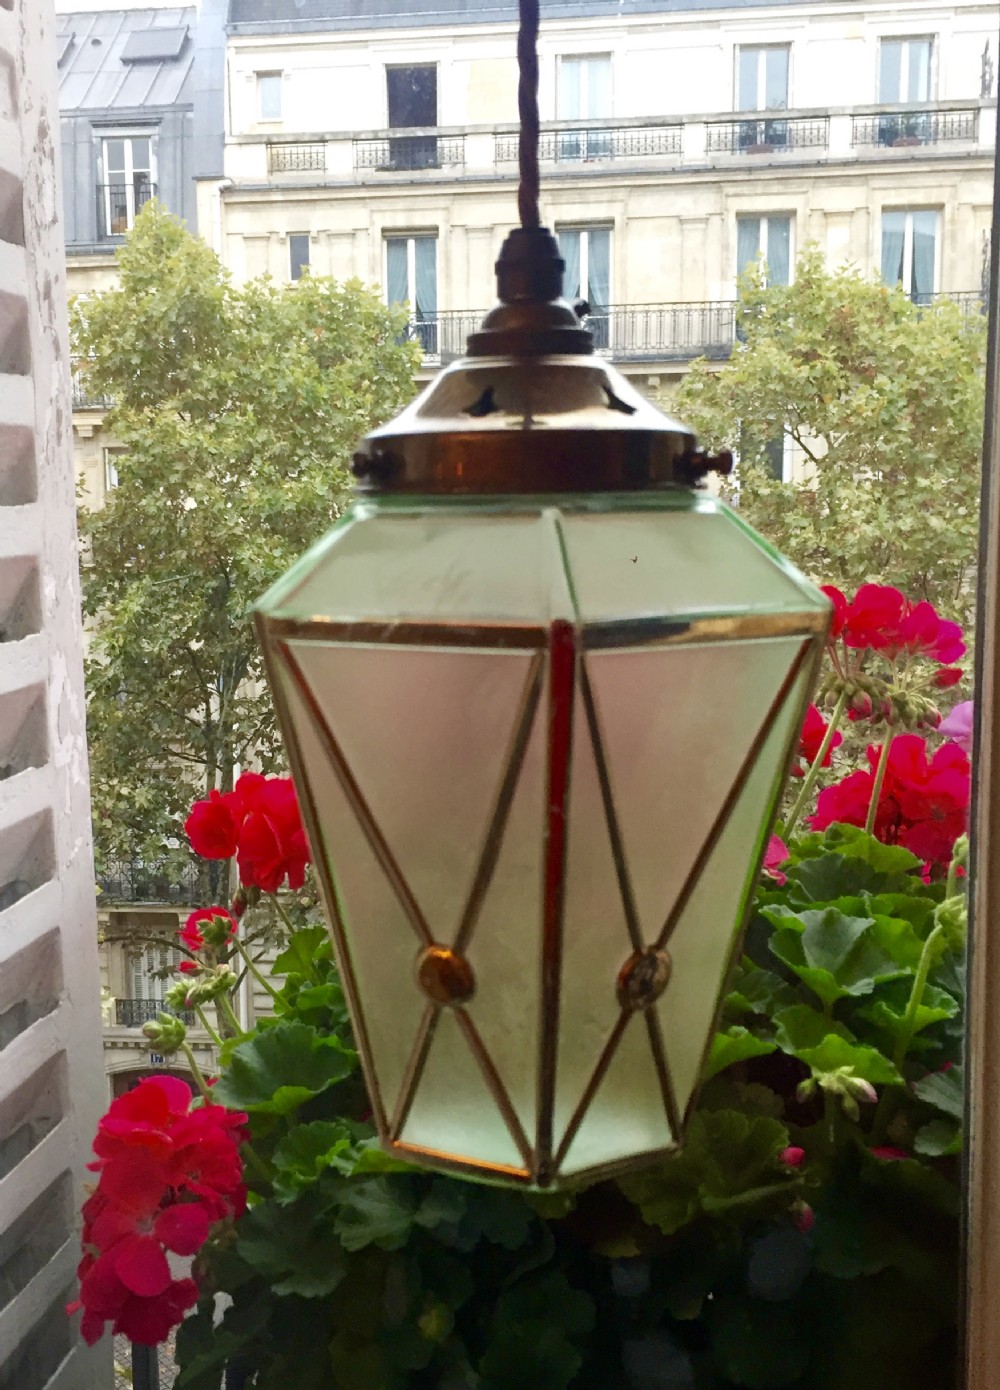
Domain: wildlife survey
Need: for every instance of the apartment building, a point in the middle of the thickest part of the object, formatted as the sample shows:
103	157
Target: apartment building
681	140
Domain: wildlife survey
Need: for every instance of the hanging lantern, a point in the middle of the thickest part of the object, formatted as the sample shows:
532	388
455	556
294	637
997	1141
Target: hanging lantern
539	692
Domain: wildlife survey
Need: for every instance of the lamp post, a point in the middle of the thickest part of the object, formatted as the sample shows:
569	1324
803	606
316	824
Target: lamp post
539	693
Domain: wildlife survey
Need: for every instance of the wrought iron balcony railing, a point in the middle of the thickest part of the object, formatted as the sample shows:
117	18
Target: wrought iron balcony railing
84	398
903	129
133	1013
588	143
132	881
296	158
406	152
774	134
118	205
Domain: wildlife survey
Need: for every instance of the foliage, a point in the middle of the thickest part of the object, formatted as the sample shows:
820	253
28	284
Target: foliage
238	408
885	401
805	1236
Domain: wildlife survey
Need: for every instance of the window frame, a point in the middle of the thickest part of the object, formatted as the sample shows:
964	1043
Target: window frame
127	135
905	67
765	218
304	266
269	75
762	50
908	214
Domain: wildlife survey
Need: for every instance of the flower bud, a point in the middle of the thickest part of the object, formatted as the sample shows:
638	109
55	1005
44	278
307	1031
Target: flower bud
861	705
166	1033
792	1156
803	1216
212	984
176	997
219	929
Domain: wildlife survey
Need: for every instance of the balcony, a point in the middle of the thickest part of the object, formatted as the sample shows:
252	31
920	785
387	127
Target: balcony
296	158
133	1013
584	144
409	153
118	204
767	135
906	129
132	881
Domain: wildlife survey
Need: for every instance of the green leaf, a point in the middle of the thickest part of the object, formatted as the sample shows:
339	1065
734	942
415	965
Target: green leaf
758	991
293	1247
889	1010
835	955
309	1150
736	1044
945	1090
759	1345
801	1028
537	1336
374	1211
725	1156
304	948
938	1138
276	1071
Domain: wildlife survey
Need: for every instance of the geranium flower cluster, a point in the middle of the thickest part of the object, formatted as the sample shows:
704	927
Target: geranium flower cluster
923	803
210	928
881	620
168	1174
259	823
811	739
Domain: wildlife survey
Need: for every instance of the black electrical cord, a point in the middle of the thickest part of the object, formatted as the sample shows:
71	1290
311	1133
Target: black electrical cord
527	109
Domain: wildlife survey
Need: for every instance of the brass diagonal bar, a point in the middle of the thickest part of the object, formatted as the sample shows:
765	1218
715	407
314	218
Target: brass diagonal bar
590	1090
722	819
655	1030
497	1088
360	806
414	1069
610	813
505	796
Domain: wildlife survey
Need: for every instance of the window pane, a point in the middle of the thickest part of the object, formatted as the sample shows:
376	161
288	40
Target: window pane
298	255
569	249
397	287
889	69
747	242
748	64
412	96
269	96
140	154
776	79
920	70
599	267
569	101
114	160
893	230
924	246
779	239
598	87
425	273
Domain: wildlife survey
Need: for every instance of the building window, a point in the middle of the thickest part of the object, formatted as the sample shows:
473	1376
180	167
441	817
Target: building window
587	253
411	100
909	252
411	279
298	255
128	180
768	239
111	458
269	96
904	70
762	77
142	962
583	93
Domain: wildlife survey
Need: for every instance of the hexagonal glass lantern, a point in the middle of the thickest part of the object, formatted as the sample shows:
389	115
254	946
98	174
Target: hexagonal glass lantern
539	743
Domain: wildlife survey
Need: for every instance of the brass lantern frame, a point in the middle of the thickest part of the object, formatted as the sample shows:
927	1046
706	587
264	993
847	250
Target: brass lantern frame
557	668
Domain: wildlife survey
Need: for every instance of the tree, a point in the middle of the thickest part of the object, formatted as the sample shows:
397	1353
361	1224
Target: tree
238	408
885	401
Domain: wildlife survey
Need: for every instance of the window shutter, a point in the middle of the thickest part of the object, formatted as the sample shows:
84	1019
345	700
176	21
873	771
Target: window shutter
52	1085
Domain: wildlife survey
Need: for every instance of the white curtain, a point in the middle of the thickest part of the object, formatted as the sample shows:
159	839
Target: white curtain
893	227
599	267
779	238
425	273
890	57
397	289
747	242
569	248
924	238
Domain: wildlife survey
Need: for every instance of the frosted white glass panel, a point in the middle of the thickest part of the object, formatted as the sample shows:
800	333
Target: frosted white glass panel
505	948
454	1110
701	943
440	566
595	937
381	942
426	734
671	762
647	563
627	1115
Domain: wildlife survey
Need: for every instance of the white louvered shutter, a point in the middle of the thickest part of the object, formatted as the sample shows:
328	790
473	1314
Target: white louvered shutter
51	1075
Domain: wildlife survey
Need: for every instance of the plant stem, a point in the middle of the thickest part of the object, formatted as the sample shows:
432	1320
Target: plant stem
226	1009
916	996
196	1072
253	1160
253	969
883	763
753	1194
207	1026
809	780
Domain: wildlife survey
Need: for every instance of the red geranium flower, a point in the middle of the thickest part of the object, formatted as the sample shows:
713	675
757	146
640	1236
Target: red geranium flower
211	828
222	925
259	822
167	1174
873	616
814	728
840	606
